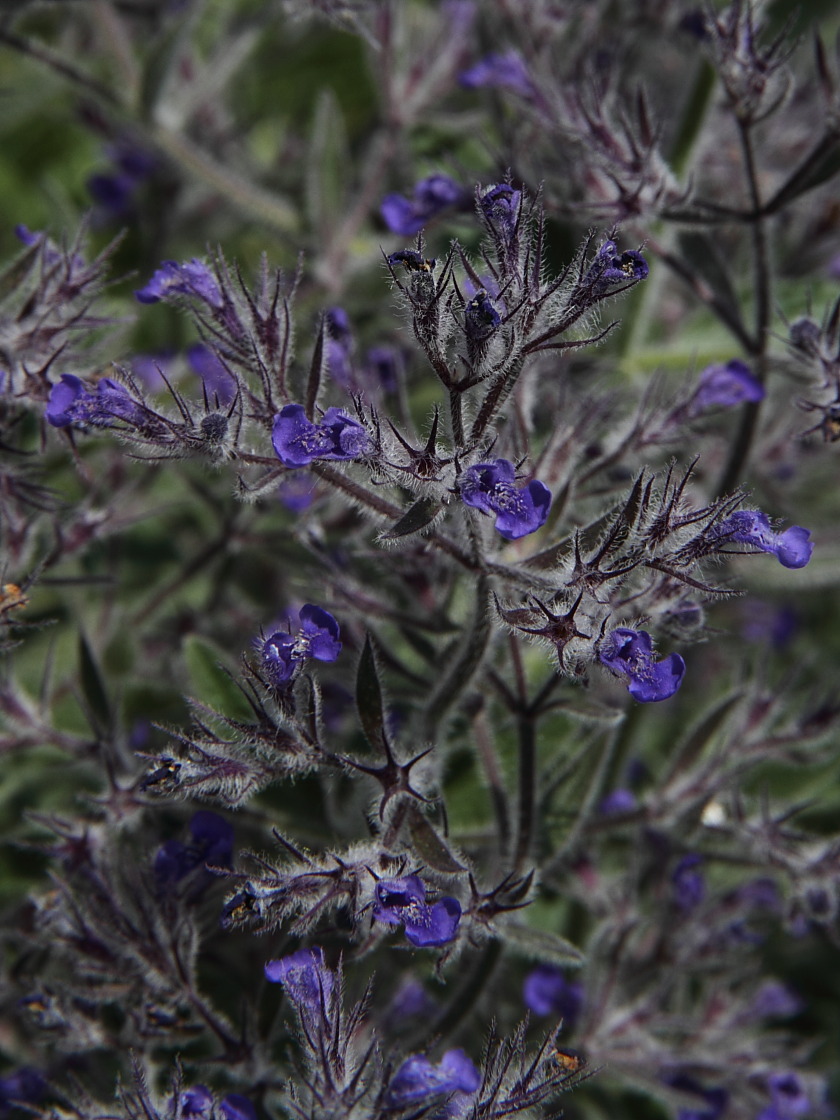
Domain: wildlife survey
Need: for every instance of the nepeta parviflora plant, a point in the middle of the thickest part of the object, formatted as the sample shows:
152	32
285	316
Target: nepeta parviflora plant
419	692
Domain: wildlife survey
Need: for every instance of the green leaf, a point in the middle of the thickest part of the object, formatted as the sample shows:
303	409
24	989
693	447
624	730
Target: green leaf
421	514
161	60
693	115
316	369
460	666
822	164
211	683
17	270
591	712
795	17
429	846
699	737
426	649
369	699
702	255
93	685
540	944
589	537
326	165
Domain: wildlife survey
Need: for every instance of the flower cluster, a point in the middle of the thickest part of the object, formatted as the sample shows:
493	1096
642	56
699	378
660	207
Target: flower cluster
538	791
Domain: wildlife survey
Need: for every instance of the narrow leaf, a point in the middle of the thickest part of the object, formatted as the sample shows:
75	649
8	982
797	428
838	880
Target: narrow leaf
426	649
540	944
822	164
316	369
369	699
429	846
458	670
161	62
17	270
327	160
93	685
697	739
701	254
421	514
210	682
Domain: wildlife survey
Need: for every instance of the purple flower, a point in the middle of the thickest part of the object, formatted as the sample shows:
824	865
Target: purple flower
113	192
51	255
715	1100
417	1078
504	71
489	286
317	637
612	267
219	382
71	402
481	318
236	1107
319	633
788	1098
688	882
767	623
411	260
546	991
25	235
151	369
403	902
278	658
297	492
460	14
24	1086
338	325
306	979
212	843
298	442
490	488
431	196
339	347
619	801
725	387
630	653
760	894
133	160
775	1000
500	206
384	367
410	1002
193	278
792	548
196	1103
